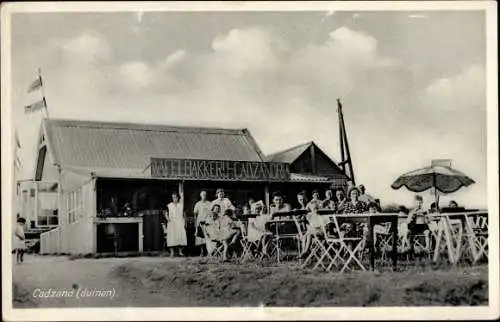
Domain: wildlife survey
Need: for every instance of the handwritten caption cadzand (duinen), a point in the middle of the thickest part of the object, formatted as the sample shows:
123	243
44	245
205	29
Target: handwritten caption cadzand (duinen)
76	293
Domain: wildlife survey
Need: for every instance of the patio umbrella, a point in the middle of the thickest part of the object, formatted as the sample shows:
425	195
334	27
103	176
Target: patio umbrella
441	178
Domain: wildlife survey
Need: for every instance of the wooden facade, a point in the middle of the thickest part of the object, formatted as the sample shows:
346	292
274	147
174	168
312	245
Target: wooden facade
85	194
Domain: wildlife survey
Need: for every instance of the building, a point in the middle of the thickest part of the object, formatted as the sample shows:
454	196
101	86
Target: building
92	169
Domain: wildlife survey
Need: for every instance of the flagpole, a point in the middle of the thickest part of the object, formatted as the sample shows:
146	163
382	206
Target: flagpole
43	92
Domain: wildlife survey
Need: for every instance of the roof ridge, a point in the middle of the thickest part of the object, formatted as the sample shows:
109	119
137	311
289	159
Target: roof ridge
291	148
144	126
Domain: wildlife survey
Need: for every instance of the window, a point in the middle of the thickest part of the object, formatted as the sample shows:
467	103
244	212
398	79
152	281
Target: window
46	199
41	161
75	205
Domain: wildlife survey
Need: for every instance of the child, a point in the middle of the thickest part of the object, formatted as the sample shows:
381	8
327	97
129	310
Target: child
418	223
19	241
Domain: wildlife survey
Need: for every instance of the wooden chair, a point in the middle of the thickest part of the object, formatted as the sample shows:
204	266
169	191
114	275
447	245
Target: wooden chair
351	246
476	234
215	248
284	230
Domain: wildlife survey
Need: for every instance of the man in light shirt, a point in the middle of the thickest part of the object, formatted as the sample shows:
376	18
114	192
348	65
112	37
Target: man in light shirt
279	204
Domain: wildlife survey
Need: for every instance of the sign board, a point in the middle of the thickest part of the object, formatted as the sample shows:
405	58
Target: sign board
219	170
441	162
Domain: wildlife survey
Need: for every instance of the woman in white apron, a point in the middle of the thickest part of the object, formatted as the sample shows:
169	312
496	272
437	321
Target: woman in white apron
176	225
202	213
19	240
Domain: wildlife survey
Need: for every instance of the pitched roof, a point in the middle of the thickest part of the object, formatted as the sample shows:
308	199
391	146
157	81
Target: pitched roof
301	177
103	145
289	155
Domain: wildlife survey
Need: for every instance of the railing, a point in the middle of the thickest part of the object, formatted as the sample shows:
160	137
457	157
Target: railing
50	241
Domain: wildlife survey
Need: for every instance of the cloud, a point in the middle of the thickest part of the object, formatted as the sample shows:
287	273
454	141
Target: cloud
417	16
173	59
338	63
453	111
252	77
328	14
87	48
139	15
243	50
467	90
136	75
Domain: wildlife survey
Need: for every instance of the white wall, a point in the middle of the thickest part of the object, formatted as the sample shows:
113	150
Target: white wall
77	237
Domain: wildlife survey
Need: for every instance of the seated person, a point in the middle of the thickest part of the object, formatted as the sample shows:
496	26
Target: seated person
221	228
279	205
315	201
452	208
378	229
329	203
340	200
257	227
301	201
314	227
354	206
418	223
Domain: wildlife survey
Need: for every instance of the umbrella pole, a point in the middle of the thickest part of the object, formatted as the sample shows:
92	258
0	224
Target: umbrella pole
436	194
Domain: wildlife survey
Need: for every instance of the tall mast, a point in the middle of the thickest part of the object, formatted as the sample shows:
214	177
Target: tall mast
344	146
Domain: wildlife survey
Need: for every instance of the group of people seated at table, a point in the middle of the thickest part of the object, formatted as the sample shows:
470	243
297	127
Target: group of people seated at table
217	224
416	222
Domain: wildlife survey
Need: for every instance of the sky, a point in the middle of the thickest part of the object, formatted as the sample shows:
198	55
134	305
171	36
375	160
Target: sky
413	84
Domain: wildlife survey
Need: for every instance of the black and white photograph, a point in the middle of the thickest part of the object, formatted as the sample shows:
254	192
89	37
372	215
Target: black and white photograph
174	160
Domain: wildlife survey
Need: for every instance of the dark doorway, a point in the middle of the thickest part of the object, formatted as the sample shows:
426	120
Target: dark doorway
126	237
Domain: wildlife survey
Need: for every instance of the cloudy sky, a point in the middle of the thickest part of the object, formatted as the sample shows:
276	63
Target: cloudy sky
412	83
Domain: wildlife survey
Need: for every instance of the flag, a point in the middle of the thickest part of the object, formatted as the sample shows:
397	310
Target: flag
35	106
18	142
37	83
17	163
17	160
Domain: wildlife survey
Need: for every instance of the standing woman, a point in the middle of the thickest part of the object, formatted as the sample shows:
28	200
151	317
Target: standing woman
176	226
202	213
19	240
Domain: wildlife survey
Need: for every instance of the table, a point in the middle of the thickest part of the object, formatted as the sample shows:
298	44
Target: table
453	236
276	224
371	220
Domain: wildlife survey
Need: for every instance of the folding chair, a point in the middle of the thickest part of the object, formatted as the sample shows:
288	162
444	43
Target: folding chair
329	248
481	239
249	247
350	245
279	236
215	248
477	237
449	239
456	233
316	247
383	246
268	250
